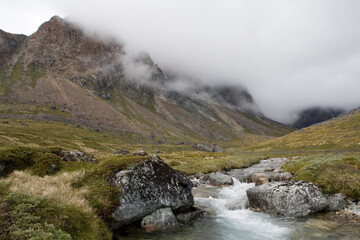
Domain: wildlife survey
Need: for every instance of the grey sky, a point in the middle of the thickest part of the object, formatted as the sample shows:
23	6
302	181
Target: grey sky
289	54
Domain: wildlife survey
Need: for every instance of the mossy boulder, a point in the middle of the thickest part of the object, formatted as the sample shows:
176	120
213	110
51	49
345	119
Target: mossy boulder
147	187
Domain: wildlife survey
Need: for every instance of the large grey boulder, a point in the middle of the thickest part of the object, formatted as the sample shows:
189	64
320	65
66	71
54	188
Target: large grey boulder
148	187
205	147
161	219
290	198
76	155
218	178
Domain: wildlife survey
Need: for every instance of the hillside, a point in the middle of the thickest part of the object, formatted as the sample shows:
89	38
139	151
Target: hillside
62	74
340	133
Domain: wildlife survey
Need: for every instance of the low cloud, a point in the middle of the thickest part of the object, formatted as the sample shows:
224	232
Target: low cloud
290	55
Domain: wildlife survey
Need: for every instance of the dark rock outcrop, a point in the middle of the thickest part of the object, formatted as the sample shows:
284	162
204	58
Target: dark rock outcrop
76	155
161	219
218	178
148	187
291	198
207	147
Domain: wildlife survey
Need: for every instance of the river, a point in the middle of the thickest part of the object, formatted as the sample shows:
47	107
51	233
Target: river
230	217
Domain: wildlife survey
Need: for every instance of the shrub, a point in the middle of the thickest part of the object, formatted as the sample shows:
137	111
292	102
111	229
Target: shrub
27	217
46	164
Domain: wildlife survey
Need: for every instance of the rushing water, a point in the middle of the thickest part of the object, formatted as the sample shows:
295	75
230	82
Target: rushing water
230	218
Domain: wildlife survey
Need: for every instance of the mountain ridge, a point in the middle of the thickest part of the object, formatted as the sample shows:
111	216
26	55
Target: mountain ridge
87	81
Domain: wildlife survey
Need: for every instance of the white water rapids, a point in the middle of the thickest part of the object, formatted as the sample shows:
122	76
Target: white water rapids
235	218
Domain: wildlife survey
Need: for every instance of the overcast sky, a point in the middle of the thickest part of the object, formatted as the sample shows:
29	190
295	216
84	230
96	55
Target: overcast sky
289	54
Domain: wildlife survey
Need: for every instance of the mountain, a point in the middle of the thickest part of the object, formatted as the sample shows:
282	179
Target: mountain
314	115
340	133
64	74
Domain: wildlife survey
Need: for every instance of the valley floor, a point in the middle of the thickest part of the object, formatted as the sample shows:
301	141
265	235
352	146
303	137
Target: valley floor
66	203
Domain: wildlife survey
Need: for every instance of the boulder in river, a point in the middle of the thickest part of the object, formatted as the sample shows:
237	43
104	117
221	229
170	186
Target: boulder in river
205	147
290	198
285	176
147	187
254	177
218	178
161	219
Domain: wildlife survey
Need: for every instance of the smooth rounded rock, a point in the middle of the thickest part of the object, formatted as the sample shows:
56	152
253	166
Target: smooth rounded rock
218	178
159	220
290	198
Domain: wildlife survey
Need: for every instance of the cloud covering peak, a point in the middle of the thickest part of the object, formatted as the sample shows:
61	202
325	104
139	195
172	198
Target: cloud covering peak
290	55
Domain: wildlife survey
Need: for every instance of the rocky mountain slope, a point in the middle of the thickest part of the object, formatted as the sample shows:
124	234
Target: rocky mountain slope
340	133
63	74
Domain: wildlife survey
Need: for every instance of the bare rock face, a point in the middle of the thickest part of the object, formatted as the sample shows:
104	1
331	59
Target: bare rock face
161	219
207	147
148	187
218	178
291	198
9	43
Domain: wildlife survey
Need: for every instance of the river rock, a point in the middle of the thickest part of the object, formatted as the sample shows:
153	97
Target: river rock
336	202
199	175
218	178
285	176
160	219
254	177
76	155
207	147
148	187
189	217
269	169
261	181
290	198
